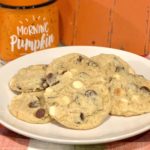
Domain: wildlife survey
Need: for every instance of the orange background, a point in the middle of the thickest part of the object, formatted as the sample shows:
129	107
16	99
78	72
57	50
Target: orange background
122	24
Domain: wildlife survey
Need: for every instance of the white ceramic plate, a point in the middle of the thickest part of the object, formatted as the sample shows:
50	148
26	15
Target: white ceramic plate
115	128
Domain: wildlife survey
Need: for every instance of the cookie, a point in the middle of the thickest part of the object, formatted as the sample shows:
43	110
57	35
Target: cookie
110	64
130	94
29	79
70	61
60	70
30	107
81	104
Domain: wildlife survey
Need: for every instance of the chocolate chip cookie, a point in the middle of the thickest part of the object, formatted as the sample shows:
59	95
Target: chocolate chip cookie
81	104
29	79
111	64
130	94
30	107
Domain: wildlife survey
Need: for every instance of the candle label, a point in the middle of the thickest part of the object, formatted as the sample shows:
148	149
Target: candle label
32	43
27	30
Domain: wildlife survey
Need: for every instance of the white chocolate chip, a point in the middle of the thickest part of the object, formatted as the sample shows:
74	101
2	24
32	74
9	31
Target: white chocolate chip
117	76
49	90
77	84
52	111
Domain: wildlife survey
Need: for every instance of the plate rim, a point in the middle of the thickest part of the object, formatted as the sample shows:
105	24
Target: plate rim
76	142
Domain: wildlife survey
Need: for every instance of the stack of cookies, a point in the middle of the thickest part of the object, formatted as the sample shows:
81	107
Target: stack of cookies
79	92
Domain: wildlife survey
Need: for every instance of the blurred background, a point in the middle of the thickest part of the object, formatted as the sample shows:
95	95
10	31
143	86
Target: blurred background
39	24
121	24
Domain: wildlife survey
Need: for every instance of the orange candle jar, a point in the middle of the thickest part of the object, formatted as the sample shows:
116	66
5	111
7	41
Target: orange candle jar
27	26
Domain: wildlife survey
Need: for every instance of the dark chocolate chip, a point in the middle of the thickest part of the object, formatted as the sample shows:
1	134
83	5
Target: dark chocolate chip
79	59
119	68
44	83
34	104
82	116
38	89
51	79
90	93
18	87
49	76
92	63
38	97
110	79
83	75
64	71
145	89
55	83
40	113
